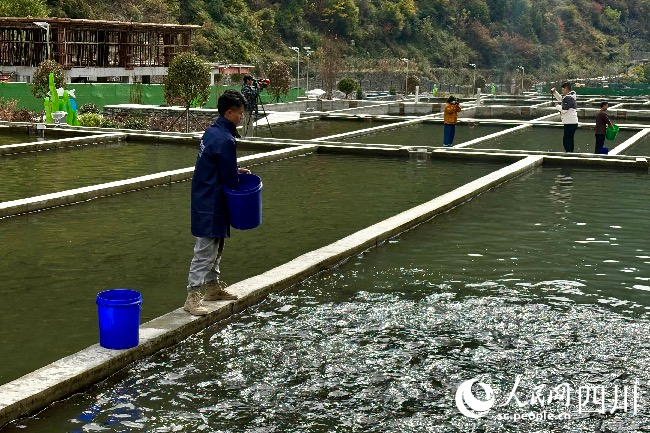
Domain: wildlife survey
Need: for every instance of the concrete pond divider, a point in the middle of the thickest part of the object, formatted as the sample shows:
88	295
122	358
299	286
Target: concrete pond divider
633	163
34	146
32	204
38	389
630	142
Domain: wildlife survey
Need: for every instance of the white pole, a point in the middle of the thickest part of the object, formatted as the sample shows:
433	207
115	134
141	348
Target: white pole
406	90
46	26
308	51
406	84
297	50
473	65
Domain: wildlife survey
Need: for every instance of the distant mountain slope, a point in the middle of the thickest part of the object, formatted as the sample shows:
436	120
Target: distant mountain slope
546	37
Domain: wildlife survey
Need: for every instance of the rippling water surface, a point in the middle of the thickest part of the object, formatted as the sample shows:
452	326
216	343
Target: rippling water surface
59	259
541	282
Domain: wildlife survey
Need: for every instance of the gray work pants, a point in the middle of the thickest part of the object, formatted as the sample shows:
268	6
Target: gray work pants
205	263
247	124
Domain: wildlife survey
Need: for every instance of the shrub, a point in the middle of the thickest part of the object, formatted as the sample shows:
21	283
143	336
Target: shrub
23	115
7	109
88	108
91	119
136	122
347	86
109	123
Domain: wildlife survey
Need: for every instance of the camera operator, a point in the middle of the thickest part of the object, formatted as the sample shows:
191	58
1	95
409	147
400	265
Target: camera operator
451	117
251	90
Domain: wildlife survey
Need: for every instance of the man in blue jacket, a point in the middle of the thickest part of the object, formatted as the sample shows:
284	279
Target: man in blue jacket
216	168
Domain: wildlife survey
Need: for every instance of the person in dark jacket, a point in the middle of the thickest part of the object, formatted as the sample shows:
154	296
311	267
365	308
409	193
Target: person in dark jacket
602	121
216	168
251	92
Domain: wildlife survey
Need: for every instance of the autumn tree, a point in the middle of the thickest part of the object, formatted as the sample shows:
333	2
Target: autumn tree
331	63
280	77
412	83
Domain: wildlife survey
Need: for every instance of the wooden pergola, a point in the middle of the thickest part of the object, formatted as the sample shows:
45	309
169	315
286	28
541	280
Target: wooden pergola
91	43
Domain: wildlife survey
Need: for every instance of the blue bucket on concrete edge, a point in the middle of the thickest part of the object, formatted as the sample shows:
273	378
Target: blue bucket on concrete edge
245	203
119	318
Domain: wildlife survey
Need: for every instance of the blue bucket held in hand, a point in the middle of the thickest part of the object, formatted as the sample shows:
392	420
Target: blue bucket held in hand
245	203
119	318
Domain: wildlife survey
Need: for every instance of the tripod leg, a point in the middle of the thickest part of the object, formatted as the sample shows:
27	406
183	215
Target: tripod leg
265	115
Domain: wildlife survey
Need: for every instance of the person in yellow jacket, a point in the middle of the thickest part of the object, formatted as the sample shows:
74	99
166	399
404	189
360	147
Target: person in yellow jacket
451	117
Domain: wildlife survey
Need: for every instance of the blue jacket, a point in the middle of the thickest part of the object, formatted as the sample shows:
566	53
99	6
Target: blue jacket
216	167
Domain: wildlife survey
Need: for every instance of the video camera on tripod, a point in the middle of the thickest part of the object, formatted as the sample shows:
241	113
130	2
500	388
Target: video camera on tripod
261	83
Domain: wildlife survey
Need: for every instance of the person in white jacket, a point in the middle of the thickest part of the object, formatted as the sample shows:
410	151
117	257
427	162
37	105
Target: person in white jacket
568	113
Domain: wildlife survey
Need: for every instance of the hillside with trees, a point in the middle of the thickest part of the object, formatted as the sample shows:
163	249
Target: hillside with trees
549	38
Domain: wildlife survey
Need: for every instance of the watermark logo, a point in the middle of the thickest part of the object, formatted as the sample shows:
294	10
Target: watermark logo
468	404
545	402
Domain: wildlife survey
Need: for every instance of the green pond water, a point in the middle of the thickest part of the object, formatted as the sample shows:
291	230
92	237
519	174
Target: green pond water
556	291
308	130
54	262
14	137
426	134
640	148
549	139
30	174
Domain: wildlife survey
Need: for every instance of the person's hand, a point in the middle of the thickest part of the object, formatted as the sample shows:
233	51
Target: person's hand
552	89
244	170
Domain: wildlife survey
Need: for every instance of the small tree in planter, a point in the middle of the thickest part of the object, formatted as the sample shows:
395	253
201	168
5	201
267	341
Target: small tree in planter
40	84
347	86
187	83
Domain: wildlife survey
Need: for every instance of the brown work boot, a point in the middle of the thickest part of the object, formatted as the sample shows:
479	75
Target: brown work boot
216	291
194	304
